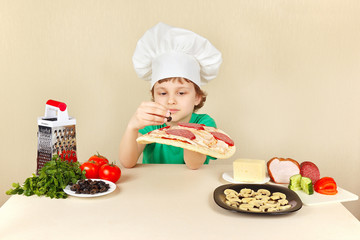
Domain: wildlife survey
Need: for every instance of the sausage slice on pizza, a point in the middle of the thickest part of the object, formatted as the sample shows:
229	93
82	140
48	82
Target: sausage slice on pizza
195	137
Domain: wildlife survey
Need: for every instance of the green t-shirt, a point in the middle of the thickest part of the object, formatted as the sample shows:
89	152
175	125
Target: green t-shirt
162	153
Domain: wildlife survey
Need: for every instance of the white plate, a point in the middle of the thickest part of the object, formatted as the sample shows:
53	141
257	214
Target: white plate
228	176
110	190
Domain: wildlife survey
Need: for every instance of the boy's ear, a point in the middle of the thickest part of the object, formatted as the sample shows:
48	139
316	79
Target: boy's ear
197	99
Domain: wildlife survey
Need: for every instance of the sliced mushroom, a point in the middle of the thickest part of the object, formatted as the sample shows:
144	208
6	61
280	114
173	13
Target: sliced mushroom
264	192
245	207
281	195
285	207
247	200
230	191
256	203
283	202
254	209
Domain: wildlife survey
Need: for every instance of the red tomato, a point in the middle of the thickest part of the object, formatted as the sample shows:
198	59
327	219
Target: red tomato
91	168
110	172
99	159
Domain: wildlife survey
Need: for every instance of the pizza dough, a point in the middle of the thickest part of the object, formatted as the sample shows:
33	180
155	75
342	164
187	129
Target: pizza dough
194	137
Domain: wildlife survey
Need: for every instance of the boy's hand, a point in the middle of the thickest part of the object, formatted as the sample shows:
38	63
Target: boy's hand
149	113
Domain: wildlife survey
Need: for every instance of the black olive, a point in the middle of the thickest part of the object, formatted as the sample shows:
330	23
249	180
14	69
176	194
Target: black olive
93	191
169	118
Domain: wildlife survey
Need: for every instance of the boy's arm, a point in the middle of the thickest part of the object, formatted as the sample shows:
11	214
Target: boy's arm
148	113
193	160
130	150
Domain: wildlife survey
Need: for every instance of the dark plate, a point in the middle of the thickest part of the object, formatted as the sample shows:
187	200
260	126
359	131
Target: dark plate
291	196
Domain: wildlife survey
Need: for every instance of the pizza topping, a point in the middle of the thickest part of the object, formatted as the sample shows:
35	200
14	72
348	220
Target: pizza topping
175	139
223	137
169	118
182	133
200	138
192	125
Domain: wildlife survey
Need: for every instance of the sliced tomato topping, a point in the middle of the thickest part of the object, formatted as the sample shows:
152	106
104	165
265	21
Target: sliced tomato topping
223	137
192	125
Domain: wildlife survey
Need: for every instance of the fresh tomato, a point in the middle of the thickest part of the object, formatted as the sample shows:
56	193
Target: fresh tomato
91	168
326	185
99	159
110	172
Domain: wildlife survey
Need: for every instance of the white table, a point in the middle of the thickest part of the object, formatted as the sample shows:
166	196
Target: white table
166	202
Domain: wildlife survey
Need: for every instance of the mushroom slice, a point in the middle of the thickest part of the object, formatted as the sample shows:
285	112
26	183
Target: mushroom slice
272	210
275	197
264	192
247	200
256	203
281	195
274	205
283	202
246	192
233	199
254	209
263	208
230	191
285	207
245	207
262	197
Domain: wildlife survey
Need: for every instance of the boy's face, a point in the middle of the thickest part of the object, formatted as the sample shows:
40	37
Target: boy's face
179	96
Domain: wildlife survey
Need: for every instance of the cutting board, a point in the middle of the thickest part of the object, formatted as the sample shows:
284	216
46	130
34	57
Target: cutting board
317	198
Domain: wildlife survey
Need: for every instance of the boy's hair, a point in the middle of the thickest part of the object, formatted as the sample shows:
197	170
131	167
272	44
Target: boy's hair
198	91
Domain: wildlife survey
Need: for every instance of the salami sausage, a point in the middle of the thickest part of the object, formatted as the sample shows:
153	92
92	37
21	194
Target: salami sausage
181	133
223	137
192	125
310	170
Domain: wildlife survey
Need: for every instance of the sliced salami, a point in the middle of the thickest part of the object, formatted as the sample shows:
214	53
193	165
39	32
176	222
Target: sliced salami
192	125
181	133
310	170
223	137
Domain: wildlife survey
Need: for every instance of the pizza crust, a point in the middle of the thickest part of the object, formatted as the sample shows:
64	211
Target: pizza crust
146	139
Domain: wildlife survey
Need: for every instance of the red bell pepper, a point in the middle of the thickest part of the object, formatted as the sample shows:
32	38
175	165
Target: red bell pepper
326	185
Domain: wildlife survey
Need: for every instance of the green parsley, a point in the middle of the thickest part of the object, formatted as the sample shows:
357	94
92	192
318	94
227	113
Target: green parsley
52	179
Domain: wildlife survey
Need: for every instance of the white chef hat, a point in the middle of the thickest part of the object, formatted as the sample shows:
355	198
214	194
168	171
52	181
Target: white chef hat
165	51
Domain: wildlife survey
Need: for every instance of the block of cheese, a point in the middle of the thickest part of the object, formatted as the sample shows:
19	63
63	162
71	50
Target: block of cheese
249	170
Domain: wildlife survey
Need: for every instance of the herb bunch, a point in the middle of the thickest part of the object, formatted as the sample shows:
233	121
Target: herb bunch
52	179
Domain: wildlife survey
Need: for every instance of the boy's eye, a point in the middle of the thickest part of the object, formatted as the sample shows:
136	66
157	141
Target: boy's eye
181	93
162	93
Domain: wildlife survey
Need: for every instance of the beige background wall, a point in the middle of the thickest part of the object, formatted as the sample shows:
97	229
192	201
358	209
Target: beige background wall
289	84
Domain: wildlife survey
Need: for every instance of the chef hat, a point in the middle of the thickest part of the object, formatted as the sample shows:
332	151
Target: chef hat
166	51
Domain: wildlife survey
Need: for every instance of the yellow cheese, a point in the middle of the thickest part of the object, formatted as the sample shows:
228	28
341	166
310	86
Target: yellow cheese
249	170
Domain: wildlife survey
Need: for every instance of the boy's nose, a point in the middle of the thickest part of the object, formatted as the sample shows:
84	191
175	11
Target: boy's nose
171	100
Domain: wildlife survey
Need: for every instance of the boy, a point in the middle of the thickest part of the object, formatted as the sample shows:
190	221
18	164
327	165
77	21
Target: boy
177	62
